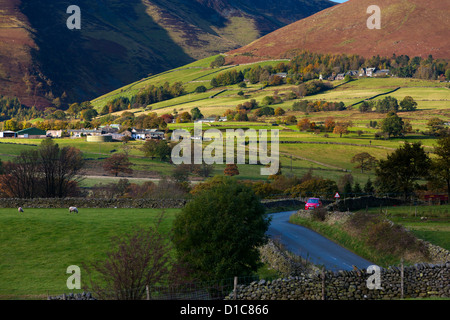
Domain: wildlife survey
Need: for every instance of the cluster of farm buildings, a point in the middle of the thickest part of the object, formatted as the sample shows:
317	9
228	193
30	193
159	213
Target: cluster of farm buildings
104	134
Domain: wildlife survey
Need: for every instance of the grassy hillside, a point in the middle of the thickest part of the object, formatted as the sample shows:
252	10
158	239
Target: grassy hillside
40	244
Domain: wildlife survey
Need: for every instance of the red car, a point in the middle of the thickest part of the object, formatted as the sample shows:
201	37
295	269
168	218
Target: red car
313	203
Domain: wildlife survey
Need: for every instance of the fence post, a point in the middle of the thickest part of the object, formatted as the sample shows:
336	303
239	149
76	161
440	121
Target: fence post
323	284
148	292
235	287
402	275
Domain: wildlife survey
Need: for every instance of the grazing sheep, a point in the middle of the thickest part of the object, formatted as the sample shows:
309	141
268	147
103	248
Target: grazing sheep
73	209
20	209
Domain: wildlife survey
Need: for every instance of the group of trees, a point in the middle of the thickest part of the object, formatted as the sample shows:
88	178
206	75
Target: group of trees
317	106
227	78
208	241
12	108
49	171
388	104
148	95
311	65
409	164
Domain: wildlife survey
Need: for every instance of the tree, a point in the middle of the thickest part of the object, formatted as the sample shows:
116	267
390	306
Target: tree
21	178
393	125
348	78
231	170
279	111
437	127
200	89
408	104
219	231
387	104
159	149
348	190
365	161
341	128
441	164
218	62
304	124
402	169
369	188
357	191
196	114
313	187
329	124
136	259
49	171
118	163
11	125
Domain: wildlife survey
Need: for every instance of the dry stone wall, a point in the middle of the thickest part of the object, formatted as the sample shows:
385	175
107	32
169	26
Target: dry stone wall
92	203
420	280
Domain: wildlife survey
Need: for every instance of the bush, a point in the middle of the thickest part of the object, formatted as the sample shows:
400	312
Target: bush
319	214
219	231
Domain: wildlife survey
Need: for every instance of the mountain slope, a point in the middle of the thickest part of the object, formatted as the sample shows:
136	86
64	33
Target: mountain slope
123	41
408	27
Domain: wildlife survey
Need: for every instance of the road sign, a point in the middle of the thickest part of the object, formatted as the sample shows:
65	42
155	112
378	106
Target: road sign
337	195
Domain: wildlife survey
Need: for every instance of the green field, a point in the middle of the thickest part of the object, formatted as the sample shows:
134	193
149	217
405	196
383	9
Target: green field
37	246
430	223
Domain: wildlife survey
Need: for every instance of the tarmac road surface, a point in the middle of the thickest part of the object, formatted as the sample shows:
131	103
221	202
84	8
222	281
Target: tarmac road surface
313	246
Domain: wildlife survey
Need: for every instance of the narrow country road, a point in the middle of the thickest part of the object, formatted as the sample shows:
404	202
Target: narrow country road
313	246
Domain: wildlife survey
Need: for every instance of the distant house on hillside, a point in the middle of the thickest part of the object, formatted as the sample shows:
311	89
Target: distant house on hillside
54	133
352	73
381	73
281	74
78	133
110	129
31	133
143	134
205	120
340	76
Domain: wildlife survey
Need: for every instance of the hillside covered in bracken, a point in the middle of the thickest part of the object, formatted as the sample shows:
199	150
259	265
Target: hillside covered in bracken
408	27
44	63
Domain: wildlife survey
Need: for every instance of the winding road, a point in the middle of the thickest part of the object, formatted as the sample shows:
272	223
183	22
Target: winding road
312	246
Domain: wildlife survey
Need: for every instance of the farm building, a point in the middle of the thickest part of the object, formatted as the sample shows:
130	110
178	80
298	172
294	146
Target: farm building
54	133
31	133
102	138
147	134
7	134
78	133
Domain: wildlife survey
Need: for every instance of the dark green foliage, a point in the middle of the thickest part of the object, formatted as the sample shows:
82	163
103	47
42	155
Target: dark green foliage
316	106
196	114
393	125
200	89
153	94
387	104
313	87
218	232
10	107
265	111
218	62
402	169
408	104
159	149
369	188
227	78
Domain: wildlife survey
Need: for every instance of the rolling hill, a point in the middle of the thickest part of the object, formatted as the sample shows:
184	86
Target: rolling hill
123	41
408	27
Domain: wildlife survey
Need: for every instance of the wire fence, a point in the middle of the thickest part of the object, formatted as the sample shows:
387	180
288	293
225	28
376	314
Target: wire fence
210	290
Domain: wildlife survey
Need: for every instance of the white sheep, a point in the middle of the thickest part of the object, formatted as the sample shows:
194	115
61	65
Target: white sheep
73	209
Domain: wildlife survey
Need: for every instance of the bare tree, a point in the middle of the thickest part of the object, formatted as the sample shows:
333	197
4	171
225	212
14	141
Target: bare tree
136	259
